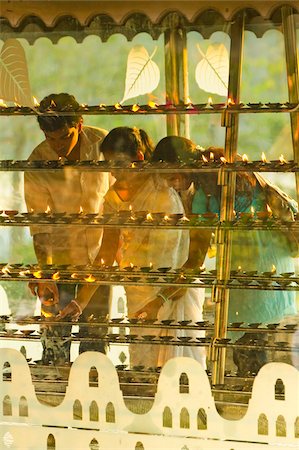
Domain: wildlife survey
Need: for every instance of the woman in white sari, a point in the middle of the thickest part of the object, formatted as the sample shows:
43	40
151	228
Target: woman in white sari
143	247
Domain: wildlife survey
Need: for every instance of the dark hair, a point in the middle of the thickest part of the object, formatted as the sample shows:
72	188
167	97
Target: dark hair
175	149
245	182
58	103
129	141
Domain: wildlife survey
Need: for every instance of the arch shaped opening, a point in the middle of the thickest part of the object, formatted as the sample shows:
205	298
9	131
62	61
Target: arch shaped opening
184	383
184	418
51	444
23	407
167	417
93	411
201	419
94	445
6	372
262	425
7	406
77	410
93	377
279	389
281	426
110	413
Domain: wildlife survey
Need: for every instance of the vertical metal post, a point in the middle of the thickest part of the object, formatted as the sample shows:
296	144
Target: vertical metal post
289	33
176	75
228	183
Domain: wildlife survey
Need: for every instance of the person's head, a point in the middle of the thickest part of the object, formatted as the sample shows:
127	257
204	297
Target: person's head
61	131
125	143
176	149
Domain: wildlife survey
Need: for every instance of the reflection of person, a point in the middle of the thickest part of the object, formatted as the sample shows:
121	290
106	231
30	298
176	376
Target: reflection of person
251	250
141	247
67	190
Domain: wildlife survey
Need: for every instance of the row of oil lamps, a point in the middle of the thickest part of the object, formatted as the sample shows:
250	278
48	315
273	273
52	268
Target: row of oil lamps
152	107
204	164
254	218
59	272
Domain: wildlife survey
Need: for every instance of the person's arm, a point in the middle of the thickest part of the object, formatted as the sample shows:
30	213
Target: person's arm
107	253
47	292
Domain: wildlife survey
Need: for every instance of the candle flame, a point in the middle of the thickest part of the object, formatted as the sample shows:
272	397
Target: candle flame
35	101
4	105
80	210
102	262
269	209
74	275
117	106
264	159
83	105
56	276
131	265
273	269
90	279
166	218
151	265
204	158
23	273
133	165
152	104
102	105
252	209
229	101
135	108
245	158
149	217
48	210
210	101
282	160
38	274
211	156
130	208
239	268
222	159
5	270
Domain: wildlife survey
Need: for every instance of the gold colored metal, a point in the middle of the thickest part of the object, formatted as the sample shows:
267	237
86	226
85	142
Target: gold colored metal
289	32
228	183
176	76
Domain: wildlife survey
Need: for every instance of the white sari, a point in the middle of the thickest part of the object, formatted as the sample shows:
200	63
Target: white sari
161	248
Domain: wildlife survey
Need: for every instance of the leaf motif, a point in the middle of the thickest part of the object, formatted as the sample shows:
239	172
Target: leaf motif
211	72
143	74
14	80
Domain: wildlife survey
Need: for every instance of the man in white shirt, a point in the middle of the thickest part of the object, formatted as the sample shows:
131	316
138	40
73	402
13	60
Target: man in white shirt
70	191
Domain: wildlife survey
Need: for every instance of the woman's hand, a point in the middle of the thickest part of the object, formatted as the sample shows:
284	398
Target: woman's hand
46	292
72	310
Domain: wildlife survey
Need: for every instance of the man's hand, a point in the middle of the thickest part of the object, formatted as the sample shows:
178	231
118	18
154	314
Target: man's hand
46	292
72	310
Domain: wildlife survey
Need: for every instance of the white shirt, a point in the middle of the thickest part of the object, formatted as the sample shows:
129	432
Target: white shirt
66	191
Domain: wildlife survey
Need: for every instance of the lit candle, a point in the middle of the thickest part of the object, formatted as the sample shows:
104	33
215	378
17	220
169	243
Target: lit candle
223	160
204	159
152	105
245	158
74	276
149	217
282	160
37	274
210	102
56	276
264	159
135	108
90	279
211	156
117	106
133	165
48	210
80	210
35	102
2	104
